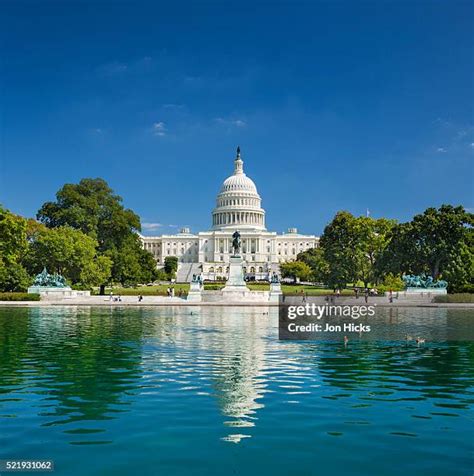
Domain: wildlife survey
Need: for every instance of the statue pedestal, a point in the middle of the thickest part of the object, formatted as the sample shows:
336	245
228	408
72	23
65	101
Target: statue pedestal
416	290
236	275
47	292
275	292
195	292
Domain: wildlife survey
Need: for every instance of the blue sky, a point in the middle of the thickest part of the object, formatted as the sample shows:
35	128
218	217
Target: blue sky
336	105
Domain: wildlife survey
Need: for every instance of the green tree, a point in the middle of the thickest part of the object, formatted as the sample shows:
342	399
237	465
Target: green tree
372	238
314	258
171	266
71	253
437	242
339	244
13	277
92	207
13	242
352	247
131	263
13	246
295	270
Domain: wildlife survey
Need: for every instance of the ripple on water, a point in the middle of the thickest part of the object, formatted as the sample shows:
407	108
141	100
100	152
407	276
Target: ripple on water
135	383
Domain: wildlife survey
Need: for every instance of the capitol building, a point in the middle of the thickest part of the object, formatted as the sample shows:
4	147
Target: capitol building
238	207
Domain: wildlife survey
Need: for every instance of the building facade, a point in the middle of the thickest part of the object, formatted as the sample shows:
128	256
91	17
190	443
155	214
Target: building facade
238	207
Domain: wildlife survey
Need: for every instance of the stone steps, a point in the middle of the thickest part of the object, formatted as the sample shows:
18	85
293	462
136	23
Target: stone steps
186	271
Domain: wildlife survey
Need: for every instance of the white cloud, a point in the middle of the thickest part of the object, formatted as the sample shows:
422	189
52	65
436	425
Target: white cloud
440	149
173	106
151	226
472	144
231	122
159	129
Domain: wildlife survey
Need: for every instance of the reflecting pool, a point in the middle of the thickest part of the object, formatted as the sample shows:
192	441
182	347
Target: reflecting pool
213	391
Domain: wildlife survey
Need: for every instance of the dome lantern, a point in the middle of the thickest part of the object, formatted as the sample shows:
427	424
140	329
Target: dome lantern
239	163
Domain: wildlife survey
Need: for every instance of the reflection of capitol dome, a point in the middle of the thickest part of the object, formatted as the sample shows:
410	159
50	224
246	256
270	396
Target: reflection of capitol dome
238	203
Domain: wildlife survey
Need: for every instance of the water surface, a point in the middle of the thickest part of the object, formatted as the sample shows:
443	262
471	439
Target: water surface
213	391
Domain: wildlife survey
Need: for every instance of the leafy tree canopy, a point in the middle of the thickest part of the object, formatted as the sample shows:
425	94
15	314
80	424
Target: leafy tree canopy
171	265
13	246
438	242
13	242
314	258
71	253
295	270
92	207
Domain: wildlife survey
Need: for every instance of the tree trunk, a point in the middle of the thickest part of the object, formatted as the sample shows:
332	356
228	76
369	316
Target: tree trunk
102	290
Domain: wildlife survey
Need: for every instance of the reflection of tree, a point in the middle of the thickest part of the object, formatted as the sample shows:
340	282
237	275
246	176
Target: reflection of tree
13	346
444	369
87	363
389	362
345	368
435	370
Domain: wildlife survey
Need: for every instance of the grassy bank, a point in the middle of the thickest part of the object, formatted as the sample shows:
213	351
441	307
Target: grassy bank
455	298
156	290
288	289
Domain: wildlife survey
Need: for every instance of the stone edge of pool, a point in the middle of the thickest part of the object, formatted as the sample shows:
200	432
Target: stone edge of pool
208	304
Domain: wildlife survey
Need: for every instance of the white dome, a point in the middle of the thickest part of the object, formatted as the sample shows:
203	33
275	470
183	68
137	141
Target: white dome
238	182
238	203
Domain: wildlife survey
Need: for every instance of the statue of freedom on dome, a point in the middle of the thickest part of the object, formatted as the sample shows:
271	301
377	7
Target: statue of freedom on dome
236	243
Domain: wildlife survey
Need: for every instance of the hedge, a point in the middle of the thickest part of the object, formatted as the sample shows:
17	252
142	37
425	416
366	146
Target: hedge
453	298
19	297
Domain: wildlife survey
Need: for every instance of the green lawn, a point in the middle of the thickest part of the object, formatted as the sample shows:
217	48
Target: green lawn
291	289
160	290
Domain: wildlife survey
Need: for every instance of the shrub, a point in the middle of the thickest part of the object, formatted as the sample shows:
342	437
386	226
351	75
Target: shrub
161	275
81	287
19	297
461	288
213	287
13	278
